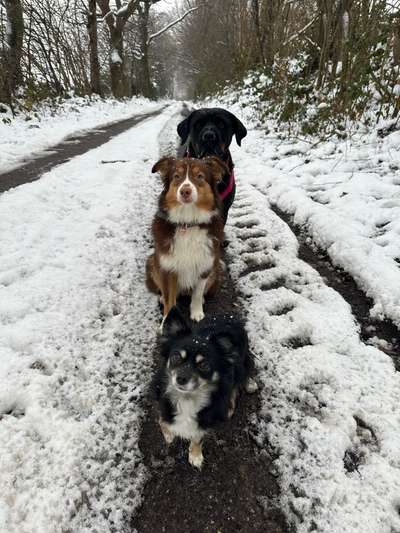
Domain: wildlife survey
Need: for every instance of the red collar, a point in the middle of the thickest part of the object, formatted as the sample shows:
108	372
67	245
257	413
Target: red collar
231	183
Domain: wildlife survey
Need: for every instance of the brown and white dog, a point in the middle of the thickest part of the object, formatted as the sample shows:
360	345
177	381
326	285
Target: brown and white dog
187	231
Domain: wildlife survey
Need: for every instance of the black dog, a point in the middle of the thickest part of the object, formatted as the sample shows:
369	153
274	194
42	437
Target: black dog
201	373
209	132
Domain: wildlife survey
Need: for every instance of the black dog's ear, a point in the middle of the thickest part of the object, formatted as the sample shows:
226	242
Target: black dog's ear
163	166
174	324
183	128
240	131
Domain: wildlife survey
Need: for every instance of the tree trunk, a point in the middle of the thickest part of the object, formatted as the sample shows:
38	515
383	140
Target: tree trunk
117	64
11	61
144	79
95	86
396	39
255	7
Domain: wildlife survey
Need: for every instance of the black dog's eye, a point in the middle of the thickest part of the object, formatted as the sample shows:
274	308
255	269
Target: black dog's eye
176	176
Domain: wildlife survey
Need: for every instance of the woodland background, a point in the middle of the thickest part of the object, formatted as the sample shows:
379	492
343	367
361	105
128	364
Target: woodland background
341	56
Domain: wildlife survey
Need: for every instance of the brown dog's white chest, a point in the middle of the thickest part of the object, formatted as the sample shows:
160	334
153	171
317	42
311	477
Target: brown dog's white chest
190	256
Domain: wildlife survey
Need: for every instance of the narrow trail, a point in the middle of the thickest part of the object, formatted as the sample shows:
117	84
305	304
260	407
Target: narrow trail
72	146
234	491
237	489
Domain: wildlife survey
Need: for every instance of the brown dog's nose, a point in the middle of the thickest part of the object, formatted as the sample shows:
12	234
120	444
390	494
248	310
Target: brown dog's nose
186	193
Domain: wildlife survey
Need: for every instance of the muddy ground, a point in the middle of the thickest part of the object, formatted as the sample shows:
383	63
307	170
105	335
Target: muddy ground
234	492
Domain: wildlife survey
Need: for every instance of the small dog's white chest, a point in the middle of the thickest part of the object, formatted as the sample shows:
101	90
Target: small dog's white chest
185	422
190	256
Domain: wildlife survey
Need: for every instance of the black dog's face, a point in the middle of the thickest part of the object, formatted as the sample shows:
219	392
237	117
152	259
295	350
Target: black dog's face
210	131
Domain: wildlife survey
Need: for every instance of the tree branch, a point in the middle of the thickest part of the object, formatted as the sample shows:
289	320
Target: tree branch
173	23
296	35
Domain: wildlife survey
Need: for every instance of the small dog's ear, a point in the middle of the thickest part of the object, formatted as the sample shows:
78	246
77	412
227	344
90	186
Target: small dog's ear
163	166
218	167
174	324
226	345
240	131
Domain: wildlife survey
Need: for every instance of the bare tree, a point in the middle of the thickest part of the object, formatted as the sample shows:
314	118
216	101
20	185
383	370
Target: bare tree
12	50
116	20
95	85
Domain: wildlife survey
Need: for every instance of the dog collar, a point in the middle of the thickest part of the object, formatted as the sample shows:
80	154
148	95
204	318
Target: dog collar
182	225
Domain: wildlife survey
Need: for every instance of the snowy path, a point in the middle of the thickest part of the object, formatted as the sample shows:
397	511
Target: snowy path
51	122
75	337
36	165
330	404
77	333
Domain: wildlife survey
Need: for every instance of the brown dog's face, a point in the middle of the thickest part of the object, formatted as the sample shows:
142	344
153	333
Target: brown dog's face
190	183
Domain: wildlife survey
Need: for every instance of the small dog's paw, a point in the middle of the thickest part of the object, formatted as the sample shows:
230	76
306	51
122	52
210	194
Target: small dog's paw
196	460
251	386
197	314
168	436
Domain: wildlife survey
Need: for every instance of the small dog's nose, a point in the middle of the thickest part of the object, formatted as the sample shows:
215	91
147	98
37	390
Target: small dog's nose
186	192
209	136
182	380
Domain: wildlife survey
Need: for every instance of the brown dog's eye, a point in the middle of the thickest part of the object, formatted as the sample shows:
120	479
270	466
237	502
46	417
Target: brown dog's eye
176	176
200	177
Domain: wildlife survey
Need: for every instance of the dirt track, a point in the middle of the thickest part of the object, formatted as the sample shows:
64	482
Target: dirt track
229	494
71	147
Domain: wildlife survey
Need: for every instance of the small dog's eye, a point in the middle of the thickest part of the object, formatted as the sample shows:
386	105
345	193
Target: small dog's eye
203	366
175	358
200	177
176	176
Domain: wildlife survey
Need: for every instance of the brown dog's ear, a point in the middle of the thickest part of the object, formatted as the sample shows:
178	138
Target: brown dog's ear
218	167
163	166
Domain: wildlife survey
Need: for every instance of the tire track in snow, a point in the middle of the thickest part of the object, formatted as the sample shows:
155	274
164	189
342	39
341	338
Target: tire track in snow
330	406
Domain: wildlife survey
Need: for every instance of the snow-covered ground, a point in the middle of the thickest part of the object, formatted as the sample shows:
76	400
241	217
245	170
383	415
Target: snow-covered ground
344	193
47	125
77	329
330	404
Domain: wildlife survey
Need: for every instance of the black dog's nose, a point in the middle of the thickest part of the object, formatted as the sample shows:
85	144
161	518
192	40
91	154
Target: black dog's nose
182	379
209	136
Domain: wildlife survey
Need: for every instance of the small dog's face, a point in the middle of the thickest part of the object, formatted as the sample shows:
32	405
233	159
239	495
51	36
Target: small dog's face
210	131
191	367
190	181
192	361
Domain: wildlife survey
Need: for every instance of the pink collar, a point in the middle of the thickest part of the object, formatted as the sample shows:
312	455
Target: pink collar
229	188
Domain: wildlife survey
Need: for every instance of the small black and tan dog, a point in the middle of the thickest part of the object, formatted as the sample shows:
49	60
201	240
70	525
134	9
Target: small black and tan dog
201	374
209	132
